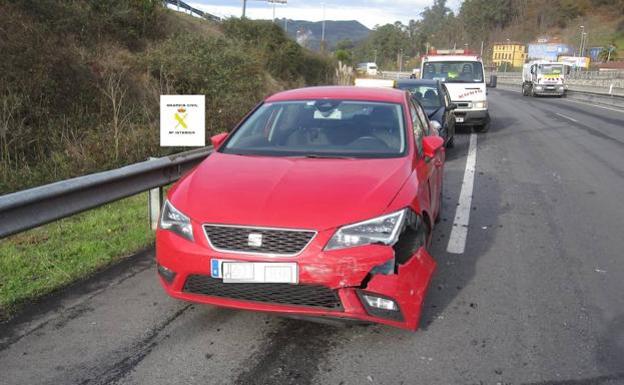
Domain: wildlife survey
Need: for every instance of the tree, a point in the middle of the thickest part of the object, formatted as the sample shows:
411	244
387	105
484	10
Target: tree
343	55
608	53
345	44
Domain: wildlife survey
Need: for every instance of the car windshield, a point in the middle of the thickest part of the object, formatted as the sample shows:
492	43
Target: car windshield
454	71
322	128
549	69
427	95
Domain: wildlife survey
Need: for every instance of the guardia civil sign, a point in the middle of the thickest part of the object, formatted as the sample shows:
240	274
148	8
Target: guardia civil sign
182	120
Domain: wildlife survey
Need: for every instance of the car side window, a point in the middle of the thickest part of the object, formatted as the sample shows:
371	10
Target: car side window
419	131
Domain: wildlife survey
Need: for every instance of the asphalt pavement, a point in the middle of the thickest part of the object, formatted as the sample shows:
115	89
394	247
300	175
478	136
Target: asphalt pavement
536	297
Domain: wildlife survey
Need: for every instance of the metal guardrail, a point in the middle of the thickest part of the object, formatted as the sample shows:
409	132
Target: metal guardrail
23	210
198	12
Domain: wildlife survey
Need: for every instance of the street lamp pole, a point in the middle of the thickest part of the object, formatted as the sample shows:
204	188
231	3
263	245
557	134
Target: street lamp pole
581	44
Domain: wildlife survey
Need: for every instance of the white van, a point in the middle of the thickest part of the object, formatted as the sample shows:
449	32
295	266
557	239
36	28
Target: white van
367	68
465	82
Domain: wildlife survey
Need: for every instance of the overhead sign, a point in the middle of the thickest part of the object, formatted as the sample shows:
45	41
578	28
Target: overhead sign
182	120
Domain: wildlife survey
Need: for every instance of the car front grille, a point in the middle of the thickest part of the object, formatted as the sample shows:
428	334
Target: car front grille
240	239
276	293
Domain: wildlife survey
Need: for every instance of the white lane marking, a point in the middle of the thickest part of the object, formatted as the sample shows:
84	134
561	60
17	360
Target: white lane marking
621	111
459	232
566	116
595	105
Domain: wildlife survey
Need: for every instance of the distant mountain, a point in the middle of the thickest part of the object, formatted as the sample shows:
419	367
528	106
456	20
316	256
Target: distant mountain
334	31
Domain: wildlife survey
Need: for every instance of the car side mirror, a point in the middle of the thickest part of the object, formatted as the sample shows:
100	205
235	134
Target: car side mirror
435	126
218	139
452	106
431	144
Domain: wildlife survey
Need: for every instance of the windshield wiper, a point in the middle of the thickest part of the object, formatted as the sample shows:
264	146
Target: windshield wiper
320	156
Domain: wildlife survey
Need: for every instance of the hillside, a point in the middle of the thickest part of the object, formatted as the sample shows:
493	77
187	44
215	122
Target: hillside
80	81
334	31
488	22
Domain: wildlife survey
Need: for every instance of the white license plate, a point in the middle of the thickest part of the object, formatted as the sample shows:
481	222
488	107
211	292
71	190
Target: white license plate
459	119
255	272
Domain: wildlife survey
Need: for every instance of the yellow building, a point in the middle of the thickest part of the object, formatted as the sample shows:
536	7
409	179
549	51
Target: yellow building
509	54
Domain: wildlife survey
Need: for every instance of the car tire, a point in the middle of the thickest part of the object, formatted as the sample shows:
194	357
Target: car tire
451	142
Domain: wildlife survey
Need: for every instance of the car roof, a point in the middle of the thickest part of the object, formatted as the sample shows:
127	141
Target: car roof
374	94
415	82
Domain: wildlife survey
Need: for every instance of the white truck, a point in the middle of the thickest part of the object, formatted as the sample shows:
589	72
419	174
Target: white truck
465	82
543	77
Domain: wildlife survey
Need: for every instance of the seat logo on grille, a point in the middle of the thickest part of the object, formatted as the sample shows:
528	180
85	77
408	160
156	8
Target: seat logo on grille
254	239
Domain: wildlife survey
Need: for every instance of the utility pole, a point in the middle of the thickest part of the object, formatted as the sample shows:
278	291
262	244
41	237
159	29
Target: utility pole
481	49
286	25
323	31
274	12
581	44
244	8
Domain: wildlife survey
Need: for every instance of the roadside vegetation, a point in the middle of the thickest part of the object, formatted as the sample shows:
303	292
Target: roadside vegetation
79	93
488	21
80	80
41	260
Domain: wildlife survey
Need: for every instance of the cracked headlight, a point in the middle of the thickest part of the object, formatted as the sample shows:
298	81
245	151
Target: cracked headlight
172	219
384	229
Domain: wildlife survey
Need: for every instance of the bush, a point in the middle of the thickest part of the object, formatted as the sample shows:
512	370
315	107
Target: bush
80	80
282	57
232	80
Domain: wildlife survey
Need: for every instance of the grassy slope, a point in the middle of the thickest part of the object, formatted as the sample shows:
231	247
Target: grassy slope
601	28
41	260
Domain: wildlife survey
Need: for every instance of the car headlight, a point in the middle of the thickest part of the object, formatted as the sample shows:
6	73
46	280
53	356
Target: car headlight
538	87
172	219
482	104
384	229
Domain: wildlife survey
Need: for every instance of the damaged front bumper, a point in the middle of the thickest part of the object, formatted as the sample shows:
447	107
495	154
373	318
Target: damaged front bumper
358	284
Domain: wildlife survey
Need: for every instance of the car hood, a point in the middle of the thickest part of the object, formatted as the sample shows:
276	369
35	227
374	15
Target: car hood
289	192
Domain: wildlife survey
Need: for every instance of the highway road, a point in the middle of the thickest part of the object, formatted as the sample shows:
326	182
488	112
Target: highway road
533	294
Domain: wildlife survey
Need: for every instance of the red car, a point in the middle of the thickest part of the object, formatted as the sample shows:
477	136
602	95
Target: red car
319	204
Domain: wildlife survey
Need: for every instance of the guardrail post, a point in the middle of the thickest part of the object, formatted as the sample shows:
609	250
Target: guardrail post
154	203
611	89
155	200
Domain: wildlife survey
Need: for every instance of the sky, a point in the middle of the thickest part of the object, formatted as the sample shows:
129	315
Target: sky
367	12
